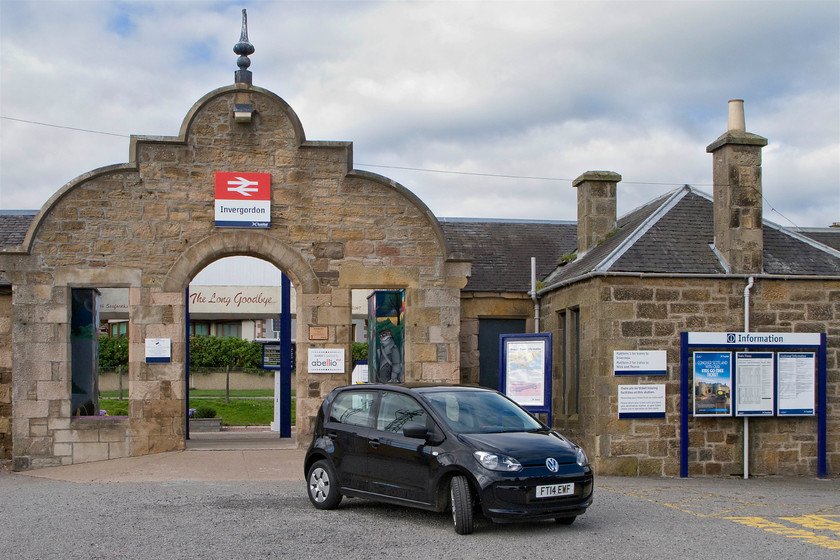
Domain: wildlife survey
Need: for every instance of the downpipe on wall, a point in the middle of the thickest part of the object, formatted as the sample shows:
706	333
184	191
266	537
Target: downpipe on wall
533	294
747	288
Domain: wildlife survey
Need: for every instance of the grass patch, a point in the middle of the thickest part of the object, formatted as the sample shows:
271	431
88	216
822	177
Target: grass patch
238	412
114	407
238	393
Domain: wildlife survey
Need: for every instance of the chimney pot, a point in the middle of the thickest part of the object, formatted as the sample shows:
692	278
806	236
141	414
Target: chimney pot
736	116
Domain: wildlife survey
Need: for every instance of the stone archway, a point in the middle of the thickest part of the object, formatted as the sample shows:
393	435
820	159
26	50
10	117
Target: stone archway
243	243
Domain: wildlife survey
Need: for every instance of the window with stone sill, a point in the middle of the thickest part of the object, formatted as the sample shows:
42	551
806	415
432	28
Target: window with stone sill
95	313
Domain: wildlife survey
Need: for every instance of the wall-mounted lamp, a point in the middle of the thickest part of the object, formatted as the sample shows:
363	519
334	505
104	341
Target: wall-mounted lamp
242	112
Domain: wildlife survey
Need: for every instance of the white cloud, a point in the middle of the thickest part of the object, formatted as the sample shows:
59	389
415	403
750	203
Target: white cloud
546	89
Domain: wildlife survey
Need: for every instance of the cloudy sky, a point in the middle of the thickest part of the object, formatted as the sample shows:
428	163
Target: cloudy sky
483	109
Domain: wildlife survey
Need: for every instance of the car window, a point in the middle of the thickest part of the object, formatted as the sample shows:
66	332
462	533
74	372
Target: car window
353	407
397	410
480	412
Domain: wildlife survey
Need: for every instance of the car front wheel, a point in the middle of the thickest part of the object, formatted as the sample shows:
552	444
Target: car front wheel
322	485
462	511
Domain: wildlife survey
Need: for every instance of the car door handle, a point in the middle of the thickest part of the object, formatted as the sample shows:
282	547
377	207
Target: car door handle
374	443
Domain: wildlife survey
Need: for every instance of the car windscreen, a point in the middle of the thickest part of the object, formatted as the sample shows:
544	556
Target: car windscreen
471	412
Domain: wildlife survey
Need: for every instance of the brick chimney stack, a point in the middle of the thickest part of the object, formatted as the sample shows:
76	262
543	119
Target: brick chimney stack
737	194
596	207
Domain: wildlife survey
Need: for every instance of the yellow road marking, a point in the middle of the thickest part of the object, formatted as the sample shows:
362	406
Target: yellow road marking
779	529
819	522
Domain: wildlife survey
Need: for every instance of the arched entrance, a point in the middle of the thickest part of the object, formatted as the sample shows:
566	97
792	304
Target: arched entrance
239	365
263	247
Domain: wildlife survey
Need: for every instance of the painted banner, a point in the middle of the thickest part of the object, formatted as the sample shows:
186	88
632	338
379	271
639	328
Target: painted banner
243	200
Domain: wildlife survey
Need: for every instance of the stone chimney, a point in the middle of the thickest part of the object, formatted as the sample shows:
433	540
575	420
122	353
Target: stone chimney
737	194
596	207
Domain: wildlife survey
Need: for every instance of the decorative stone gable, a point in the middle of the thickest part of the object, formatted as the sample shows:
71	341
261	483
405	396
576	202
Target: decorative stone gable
148	225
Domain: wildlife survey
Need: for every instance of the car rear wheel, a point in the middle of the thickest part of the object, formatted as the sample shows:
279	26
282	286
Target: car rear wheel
566	520
462	511
322	485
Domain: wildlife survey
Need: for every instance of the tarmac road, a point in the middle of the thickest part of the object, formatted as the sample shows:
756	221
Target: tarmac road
252	504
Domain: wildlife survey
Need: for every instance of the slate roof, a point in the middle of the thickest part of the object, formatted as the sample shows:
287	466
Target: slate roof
827	236
675	233
501	250
13	225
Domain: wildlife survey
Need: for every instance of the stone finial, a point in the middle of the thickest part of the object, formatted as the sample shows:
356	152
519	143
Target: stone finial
243	48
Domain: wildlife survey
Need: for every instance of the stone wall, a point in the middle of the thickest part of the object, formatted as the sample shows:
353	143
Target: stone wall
478	305
148	226
5	377
630	313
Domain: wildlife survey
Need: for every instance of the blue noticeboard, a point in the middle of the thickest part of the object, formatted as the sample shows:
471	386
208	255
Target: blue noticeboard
525	370
803	358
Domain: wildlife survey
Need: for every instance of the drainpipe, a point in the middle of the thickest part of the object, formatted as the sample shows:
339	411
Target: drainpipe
533	294
747	289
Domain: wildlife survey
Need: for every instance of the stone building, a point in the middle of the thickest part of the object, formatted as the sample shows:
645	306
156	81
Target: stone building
682	263
679	263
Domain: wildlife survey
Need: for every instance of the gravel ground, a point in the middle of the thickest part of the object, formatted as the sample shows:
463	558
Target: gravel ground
631	518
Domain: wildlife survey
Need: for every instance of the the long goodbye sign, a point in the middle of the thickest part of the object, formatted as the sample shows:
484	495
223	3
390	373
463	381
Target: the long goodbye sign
243	200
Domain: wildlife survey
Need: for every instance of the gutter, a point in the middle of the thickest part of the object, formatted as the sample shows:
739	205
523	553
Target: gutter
601	273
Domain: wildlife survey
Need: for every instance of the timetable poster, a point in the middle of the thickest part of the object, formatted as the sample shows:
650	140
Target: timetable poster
754	384
796	383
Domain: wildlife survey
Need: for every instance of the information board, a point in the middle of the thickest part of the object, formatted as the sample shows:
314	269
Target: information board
754	384
525	370
796	383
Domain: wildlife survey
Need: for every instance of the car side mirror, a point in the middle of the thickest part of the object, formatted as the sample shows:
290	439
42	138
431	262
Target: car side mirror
418	431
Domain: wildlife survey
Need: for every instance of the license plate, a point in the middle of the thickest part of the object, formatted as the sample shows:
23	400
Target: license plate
555	490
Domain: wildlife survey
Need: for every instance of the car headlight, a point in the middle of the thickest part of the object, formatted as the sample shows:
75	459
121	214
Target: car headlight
582	459
496	462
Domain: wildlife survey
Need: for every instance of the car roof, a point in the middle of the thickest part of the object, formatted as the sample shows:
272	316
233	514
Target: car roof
415	387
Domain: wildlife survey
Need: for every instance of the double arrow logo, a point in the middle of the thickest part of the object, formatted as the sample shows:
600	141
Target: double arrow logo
243	186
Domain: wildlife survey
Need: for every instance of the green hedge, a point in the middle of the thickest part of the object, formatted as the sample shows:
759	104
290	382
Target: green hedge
206	352
213	351
113	351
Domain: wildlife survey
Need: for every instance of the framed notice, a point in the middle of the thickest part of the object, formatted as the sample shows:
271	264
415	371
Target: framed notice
641	401
525	370
712	383
754	384
325	360
796	383
158	350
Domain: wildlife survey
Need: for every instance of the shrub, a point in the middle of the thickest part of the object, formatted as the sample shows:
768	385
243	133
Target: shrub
204	411
217	352
359	351
113	351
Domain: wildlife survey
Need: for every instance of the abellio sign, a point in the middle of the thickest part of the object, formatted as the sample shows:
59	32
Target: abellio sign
325	360
243	200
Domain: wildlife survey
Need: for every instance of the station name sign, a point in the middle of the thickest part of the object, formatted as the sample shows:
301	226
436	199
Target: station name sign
243	200
753	338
